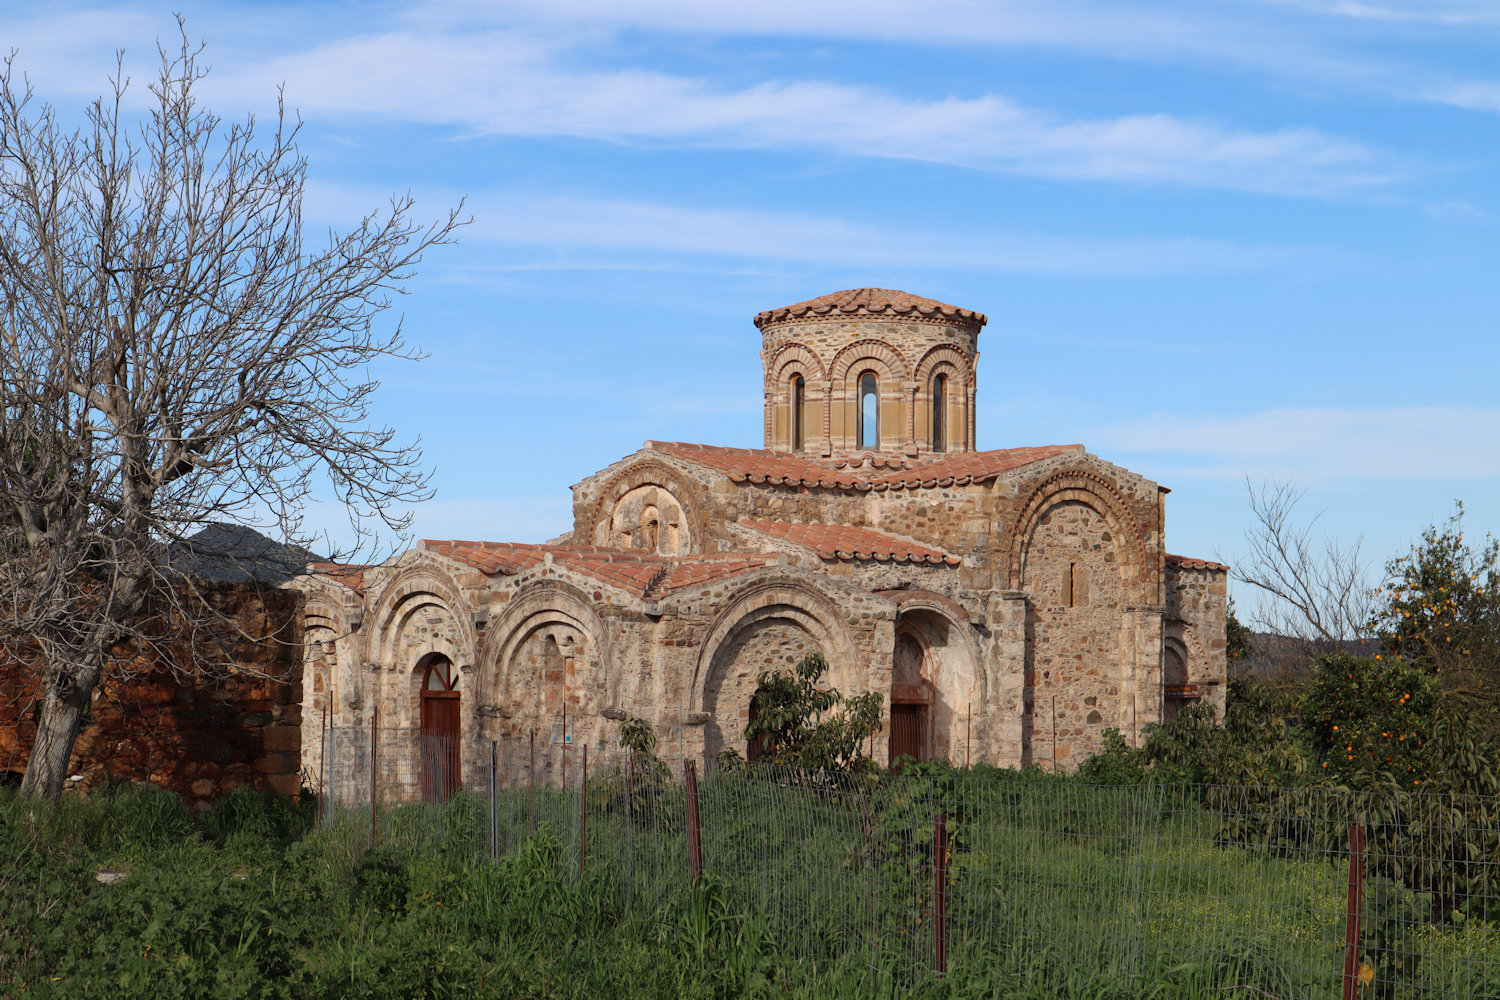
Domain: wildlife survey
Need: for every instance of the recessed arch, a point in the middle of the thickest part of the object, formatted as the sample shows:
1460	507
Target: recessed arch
794	599
1073	486
632	483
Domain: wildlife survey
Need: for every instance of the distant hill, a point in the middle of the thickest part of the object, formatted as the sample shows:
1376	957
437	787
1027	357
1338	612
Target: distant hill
1290	657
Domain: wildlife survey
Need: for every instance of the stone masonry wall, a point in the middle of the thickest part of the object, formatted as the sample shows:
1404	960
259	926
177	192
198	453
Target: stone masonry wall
185	730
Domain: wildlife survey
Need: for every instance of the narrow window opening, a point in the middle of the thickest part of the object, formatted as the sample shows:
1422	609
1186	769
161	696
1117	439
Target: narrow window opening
939	413
1067	586
869	412
798	438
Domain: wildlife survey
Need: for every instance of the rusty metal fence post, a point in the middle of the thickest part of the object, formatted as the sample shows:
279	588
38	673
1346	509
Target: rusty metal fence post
494	799
695	842
1354	911
583	813
940	893
322	768
531	785
374	780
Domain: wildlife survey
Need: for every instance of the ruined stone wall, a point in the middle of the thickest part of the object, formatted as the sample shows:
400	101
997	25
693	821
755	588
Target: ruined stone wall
194	731
1197	606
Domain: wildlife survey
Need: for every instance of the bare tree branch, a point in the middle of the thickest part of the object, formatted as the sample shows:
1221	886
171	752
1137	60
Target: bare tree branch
1316	591
173	354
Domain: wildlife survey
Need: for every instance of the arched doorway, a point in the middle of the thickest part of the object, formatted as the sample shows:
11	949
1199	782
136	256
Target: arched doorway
911	702
439	734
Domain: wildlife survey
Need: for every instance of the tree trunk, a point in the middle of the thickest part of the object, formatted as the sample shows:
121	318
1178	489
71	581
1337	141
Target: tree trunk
63	708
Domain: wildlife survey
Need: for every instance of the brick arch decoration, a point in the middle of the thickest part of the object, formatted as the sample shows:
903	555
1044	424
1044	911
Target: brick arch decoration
946	359
794	357
793	599
944	354
647	473
1075	485
537	605
894	362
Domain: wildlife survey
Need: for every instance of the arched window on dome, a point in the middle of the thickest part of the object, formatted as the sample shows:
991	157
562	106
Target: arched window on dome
798	433
939	412
869	412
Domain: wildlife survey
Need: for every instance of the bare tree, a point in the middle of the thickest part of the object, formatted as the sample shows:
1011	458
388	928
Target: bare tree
172	353
1314	591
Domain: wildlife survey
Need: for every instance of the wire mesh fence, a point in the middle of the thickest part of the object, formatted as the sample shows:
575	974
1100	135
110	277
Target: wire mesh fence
1306	892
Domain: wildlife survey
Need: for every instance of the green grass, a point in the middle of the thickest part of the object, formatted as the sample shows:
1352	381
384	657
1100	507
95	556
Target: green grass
1056	889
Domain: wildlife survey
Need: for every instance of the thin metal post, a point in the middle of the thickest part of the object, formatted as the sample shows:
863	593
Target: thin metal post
940	893
494	798
583	813
695	842
968	729
1054	734
374	752
322	767
565	745
531	783
1352	915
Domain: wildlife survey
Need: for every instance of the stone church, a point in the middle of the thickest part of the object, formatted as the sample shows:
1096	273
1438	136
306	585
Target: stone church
1011	604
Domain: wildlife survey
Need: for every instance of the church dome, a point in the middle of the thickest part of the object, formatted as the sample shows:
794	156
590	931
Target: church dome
869	302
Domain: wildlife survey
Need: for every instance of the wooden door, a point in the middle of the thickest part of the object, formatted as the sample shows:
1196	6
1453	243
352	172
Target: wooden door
439	734
908	731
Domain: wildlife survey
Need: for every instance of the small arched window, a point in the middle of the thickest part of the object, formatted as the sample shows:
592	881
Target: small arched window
869	412
939	412
798	435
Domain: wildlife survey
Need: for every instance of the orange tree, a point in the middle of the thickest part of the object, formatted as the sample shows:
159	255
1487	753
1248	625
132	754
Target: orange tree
1441	614
1369	717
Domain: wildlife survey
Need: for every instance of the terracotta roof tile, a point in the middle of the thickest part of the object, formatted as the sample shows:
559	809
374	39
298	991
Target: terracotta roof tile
761	465
970	466
1187	562
644	574
349	575
870	301
837	541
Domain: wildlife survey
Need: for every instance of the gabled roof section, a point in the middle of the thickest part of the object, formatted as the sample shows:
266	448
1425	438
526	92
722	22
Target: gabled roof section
970	466
837	541
1188	562
869	302
762	465
344	574
643	574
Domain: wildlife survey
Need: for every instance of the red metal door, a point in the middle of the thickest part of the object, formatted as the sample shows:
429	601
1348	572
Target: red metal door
440	774
908	732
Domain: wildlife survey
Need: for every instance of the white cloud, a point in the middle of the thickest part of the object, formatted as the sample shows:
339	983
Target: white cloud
514	85
1476	95
583	232
1321	445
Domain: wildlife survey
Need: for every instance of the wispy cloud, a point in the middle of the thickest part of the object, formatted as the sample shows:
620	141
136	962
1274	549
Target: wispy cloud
595	228
1321	445
514	85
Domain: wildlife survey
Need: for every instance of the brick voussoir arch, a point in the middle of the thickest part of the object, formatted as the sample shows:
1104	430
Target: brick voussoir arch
801	602
650	472
794	357
537	605
949	354
895	363
1097	492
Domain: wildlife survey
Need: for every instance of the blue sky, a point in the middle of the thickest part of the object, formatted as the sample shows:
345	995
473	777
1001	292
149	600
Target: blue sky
1214	239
